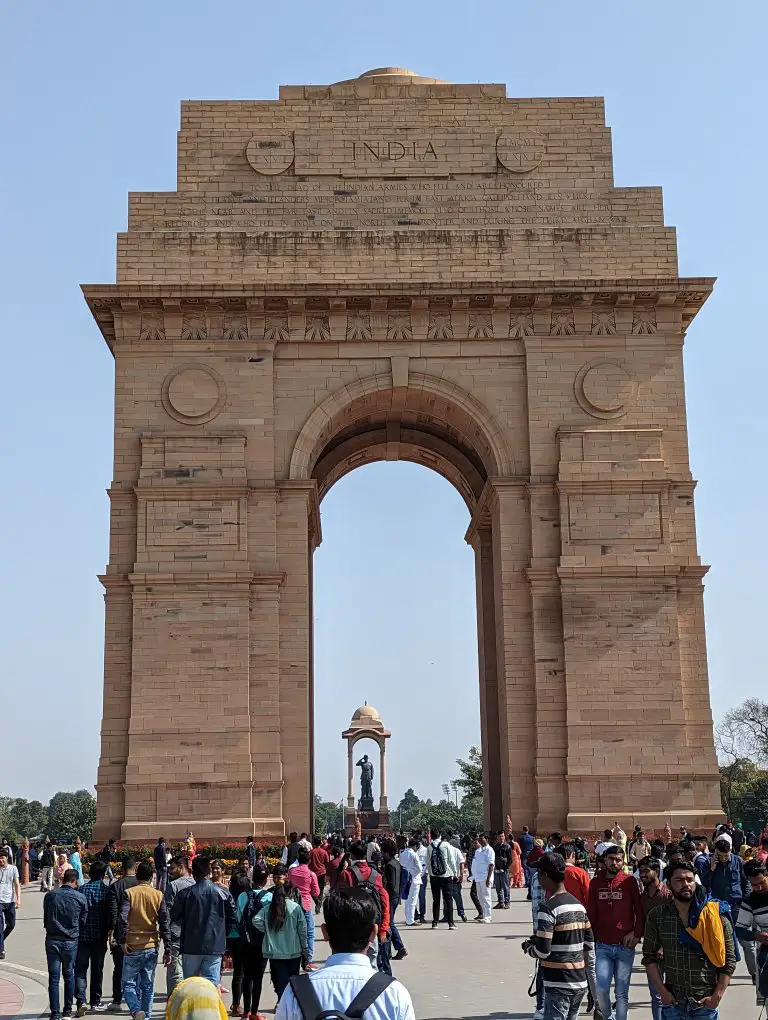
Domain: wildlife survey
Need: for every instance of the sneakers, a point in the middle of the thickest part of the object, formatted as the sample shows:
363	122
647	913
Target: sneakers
400	954
464	918
235	1010
139	1015
538	1015
451	927
82	1009
100	1007
486	920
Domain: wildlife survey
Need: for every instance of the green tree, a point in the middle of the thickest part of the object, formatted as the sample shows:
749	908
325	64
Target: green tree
72	814
471	779
329	817
27	817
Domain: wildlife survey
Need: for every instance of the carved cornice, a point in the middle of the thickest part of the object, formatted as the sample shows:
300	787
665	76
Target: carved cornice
156	316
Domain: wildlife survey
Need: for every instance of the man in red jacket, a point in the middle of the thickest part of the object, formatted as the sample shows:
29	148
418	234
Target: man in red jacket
616	916
360	871
576	878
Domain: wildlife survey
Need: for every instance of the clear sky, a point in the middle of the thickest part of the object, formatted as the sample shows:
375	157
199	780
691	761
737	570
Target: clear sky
91	93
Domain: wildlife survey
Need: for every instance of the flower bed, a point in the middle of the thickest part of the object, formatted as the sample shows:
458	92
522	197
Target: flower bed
227	853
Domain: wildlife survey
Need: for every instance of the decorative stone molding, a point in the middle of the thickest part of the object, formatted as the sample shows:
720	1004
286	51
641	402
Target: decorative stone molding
193	394
218	316
605	388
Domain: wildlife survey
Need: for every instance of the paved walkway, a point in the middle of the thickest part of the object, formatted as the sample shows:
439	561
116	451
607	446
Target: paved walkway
474	973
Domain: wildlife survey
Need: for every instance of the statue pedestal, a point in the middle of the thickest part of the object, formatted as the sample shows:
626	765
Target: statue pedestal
372	822
365	804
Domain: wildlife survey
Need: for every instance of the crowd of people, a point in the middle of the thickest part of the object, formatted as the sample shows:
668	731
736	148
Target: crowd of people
696	904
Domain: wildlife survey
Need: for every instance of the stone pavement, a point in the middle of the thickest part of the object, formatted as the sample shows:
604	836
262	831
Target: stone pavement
474	973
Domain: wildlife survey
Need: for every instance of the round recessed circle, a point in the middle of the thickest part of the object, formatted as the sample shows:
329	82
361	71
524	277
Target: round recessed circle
193	394
605	389
270	154
520	151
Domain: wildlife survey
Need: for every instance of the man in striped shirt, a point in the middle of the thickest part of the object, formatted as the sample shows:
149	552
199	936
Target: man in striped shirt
562	942
752	920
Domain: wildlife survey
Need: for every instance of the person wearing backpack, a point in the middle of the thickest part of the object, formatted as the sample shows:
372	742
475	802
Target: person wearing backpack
347	988
361	874
248	904
442	872
283	924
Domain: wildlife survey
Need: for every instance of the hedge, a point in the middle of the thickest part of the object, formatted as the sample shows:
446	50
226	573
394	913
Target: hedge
229	852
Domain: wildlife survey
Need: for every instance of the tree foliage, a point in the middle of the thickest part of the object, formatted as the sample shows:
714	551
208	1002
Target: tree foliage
329	816
741	740
72	814
471	779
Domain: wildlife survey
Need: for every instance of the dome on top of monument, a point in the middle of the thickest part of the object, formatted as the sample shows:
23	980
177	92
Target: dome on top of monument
392	76
366	715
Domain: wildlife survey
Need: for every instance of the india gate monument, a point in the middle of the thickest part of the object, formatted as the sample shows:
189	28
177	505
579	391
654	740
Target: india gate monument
395	267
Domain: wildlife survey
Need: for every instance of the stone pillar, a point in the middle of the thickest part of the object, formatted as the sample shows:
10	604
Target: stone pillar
296	531
350	776
508	504
383	775
25	862
264	705
480	538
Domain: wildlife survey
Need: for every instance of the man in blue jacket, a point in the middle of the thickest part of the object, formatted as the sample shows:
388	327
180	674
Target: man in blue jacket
526	843
726	881
206	914
64	913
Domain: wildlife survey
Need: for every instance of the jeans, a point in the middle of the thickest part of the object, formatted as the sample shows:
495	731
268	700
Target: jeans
173	972
139	980
117	974
61	959
235	947
397	942
655	997
7	921
458	899
89	953
384	956
441	888
562	1005
688	1013
423	897
310	916
319	897
526	871
195	965
614	966
501	885
281	972
254	966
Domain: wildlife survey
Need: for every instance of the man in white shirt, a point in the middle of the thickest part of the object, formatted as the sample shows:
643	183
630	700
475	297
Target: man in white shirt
10	898
483	862
347	978
410	863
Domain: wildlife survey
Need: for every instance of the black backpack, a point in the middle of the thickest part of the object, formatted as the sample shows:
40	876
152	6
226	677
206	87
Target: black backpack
369	884
248	933
437	860
310	1006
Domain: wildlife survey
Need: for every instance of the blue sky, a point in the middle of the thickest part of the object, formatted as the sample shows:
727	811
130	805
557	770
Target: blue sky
91	95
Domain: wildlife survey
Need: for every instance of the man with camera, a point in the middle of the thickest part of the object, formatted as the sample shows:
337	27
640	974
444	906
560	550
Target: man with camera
562	942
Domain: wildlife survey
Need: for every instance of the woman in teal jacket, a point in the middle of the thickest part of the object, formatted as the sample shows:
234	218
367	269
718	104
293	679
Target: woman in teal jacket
284	926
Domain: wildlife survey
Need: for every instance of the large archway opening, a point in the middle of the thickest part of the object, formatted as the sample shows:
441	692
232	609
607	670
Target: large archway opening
432	423
394	624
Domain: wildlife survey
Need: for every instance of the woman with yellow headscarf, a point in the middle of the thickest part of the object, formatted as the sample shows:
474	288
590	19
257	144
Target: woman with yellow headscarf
195	998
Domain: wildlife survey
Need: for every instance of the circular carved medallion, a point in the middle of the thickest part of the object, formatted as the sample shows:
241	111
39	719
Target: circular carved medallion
193	394
605	389
520	151
270	154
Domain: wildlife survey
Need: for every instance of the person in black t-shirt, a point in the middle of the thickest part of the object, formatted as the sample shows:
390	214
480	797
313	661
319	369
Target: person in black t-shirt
390	876
503	854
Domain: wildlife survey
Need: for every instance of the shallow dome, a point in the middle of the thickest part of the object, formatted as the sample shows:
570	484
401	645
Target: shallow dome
392	76
366	713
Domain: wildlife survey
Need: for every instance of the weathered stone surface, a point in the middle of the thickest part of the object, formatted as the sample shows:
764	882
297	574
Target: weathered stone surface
394	267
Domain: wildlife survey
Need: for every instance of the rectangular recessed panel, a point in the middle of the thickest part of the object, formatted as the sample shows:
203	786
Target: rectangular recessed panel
192	522
605	517
388	153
